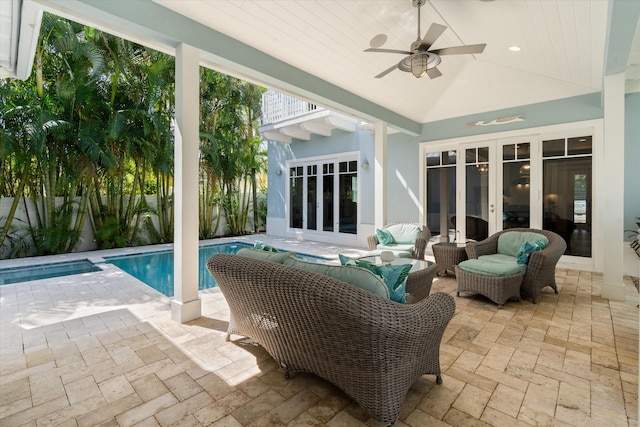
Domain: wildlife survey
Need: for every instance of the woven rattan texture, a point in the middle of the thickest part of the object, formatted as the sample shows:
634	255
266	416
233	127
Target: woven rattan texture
542	264
419	283
448	256
371	348
498	289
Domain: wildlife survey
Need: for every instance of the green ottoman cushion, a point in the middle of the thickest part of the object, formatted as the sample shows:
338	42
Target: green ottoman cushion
486	267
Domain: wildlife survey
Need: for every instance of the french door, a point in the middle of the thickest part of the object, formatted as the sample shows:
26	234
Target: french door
323	196
474	190
531	181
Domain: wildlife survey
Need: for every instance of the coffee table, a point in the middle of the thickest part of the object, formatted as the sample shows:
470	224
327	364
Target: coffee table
420	277
448	255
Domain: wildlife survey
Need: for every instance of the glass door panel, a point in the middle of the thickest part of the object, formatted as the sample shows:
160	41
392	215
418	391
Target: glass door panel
312	194
348	201
441	192
567	189
477	202
296	183
327	197
516	185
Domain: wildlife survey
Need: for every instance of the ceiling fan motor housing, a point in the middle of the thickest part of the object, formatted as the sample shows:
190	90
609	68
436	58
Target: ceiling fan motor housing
432	61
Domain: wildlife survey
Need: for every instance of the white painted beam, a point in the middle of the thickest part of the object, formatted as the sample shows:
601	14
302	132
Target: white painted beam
275	135
317	128
296	132
344	123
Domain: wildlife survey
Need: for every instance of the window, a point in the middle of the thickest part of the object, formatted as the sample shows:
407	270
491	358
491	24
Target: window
516	182
441	190
567	171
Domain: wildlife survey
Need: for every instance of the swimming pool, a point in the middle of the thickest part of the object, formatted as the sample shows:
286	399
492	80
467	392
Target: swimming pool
156	268
45	271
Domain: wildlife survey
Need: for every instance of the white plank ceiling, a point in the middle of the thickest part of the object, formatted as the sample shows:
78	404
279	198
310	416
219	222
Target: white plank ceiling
562	47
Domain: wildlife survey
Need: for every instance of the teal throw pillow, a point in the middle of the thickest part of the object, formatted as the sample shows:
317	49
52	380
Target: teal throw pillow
542	243
527	248
264	247
384	237
345	260
394	276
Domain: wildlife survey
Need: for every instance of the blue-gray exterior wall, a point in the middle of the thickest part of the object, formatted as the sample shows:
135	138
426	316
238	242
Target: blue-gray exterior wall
403	187
631	162
403	197
403	151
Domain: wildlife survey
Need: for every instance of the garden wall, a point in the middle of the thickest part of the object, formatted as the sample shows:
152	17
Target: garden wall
87	240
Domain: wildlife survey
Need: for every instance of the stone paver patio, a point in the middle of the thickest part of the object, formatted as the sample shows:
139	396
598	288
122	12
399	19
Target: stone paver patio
100	349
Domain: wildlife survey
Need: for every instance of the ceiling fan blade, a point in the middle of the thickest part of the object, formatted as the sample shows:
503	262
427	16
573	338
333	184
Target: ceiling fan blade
434	31
387	71
458	50
403	52
433	73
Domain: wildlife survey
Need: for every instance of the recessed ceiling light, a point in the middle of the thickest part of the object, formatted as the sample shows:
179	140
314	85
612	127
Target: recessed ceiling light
514	48
378	41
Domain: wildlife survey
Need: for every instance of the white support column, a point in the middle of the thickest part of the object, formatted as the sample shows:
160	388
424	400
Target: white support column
186	305
613	177
380	171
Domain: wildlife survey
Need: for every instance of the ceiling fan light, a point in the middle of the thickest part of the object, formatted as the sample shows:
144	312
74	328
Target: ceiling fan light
419	62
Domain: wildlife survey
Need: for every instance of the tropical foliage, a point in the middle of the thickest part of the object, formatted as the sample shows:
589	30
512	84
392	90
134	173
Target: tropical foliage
88	137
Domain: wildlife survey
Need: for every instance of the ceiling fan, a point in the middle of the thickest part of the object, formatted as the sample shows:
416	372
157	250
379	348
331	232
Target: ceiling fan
420	59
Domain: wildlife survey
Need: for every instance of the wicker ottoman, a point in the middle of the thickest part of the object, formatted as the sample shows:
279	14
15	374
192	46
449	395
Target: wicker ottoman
498	289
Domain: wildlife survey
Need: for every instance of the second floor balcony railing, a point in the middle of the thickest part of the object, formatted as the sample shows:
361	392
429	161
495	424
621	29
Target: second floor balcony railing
277	107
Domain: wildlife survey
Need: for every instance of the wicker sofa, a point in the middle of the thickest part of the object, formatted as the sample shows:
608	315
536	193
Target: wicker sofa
410	240
372	348
539	273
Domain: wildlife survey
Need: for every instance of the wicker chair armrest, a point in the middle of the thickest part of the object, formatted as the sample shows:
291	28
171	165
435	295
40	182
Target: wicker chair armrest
484	247
419	283
546	258
372	241
419	247
419	321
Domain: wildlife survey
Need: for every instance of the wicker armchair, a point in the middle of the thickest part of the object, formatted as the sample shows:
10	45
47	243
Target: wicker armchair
542	264
419	246
371	348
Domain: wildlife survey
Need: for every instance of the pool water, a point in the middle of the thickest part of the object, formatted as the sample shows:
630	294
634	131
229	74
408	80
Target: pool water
45	271
156	268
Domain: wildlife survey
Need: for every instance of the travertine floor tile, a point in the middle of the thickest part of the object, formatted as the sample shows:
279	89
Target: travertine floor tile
506	400
102	350
472	400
